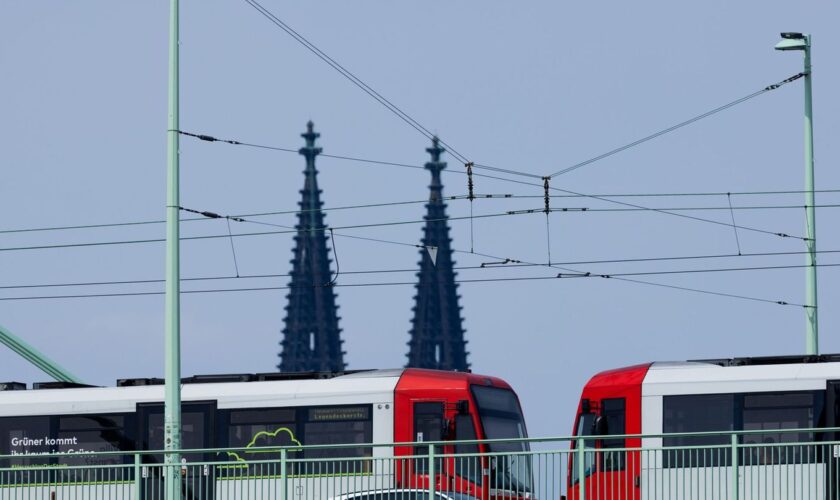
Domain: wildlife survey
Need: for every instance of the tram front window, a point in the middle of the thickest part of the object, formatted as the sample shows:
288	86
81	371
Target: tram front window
501	418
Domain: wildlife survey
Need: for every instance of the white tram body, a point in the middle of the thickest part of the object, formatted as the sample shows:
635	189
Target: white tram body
255	436
764	397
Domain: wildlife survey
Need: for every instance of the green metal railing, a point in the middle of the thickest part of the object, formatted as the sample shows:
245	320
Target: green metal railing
766	464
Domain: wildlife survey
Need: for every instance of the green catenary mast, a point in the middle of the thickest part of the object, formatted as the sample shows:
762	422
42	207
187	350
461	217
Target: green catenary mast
172	344
798	41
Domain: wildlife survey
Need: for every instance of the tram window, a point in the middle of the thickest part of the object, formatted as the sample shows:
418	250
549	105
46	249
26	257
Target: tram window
28	439
495	399
25	438
94	433
261	416
257	428
428	426
193	434
467	467
613	410
299	426
338	425
253	428
465	431
697	413
584	428
765	411
774	412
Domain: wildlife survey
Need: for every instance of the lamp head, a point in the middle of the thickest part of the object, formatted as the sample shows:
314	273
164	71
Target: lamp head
792	41
792	35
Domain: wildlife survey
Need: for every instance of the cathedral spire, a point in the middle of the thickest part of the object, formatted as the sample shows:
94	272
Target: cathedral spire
437	334
311	336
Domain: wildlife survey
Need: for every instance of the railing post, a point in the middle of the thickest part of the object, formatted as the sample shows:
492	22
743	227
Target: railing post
137	476
283	476
733	485
581	468
432	472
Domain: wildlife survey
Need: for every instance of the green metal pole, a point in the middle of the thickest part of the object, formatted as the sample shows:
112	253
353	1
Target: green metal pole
432	472
581	467
283	475
734	488
812	333
172	406
137	487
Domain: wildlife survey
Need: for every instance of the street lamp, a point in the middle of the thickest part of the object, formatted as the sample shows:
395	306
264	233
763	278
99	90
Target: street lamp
799	41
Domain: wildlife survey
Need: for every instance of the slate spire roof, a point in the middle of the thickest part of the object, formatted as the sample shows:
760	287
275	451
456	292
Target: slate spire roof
311	336
437	334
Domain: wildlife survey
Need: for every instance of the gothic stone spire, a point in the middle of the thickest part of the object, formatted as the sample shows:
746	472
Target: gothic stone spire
437	334
311	337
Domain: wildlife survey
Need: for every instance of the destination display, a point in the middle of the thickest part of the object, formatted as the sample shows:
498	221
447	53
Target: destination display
333	413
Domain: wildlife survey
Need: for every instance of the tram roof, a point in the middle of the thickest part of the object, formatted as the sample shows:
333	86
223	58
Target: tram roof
769	374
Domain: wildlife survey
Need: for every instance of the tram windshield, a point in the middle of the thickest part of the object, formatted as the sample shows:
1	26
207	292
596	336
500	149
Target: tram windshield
501	418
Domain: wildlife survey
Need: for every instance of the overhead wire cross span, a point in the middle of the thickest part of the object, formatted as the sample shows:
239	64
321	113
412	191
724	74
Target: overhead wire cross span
429	135
417	126
604	198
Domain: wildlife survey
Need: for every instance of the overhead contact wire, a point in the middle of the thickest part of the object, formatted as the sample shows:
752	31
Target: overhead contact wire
576	274
352	77
677	126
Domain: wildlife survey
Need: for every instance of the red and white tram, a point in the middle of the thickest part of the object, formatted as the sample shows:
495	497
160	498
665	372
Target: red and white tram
245	411
766	394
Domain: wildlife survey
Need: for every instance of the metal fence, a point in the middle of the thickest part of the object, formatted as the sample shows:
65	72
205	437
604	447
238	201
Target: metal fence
778	464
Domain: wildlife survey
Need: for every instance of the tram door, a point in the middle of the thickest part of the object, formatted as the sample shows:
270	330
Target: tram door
832	453
436	421
428	425
197	424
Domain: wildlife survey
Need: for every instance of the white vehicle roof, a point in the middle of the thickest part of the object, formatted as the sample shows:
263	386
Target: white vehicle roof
664	378
375	386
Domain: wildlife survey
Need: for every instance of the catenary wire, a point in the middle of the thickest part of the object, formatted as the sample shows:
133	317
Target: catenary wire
412	283
690	217
459	197
398	271
258	214
429	135
289	229
350	76
641	207
214	215
678	126
648	283
610	195
507	263
234	142
577	274
683	194
409	120
603	198
631	280
701	209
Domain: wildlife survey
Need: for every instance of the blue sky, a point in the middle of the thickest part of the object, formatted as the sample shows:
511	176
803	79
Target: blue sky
531	86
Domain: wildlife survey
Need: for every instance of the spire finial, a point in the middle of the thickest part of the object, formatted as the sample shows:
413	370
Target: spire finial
310	151
436	150
435	165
